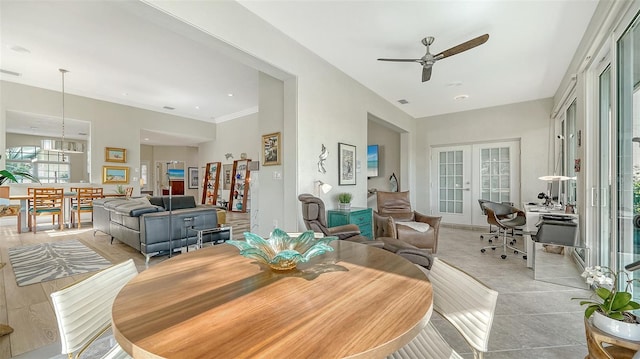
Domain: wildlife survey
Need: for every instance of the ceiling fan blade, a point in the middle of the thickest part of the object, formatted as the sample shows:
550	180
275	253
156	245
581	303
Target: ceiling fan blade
401	60
463	47
426	73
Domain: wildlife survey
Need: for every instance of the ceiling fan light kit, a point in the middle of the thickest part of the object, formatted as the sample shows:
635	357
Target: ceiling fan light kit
428	59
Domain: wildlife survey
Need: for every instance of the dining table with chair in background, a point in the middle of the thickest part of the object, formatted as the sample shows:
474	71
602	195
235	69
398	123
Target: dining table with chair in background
354	302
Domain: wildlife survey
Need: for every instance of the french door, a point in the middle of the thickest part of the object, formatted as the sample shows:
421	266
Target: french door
466	173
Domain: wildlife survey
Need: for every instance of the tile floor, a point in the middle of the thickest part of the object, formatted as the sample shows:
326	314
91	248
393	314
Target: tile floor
534	319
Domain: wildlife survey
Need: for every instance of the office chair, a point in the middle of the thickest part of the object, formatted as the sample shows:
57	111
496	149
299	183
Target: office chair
464	302
492	234
506	218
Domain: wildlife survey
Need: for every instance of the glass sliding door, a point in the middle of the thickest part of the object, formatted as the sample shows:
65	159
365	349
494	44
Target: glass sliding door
628	148
603	181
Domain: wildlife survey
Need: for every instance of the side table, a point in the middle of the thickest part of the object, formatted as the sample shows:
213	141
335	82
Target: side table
362	217
619	349
202	231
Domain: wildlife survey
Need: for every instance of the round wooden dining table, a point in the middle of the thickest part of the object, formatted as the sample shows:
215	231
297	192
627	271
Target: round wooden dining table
355	302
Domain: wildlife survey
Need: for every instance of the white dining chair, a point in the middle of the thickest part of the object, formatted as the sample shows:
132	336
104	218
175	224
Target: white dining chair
83	310
464	302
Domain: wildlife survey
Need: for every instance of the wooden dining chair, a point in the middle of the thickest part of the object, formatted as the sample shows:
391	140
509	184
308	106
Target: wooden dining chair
47	202
83	202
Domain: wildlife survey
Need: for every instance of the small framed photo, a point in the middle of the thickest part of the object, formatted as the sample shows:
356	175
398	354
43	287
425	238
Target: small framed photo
193	177
112	154
271	152
226	176
115	175
346	164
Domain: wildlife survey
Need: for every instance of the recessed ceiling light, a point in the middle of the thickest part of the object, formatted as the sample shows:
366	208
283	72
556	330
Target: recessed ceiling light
125	94
461	97
169	108
146	138
197	107
17	48
454	84
230	94
33	128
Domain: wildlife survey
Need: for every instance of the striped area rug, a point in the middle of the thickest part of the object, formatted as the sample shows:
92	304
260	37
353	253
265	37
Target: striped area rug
48	261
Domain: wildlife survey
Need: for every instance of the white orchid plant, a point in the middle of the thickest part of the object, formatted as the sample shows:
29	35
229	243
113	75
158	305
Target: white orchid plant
608	300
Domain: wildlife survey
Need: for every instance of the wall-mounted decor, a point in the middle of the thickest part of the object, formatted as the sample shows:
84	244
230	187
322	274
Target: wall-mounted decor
346	164
115	174
271	149
176	174
323	157
193	177
112	154
226	172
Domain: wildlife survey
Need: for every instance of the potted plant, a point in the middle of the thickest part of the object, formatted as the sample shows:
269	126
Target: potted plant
610	307
12	176
344	201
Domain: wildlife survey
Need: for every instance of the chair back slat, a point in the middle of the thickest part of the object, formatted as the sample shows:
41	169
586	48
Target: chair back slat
464	301
47	199
84	309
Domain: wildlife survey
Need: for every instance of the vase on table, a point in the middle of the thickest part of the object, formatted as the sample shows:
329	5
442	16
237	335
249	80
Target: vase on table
629	331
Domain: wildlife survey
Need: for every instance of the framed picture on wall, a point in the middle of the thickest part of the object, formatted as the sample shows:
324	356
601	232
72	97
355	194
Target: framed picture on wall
226	176
115	174
193	177
346	164
112	154
271	149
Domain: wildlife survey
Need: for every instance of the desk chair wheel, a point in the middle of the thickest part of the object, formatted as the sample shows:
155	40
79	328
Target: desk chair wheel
524	257
483	250
504	256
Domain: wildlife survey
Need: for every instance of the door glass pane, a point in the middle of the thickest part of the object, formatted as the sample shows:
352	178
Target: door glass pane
496	181
602	188
628	148
451	175
571	138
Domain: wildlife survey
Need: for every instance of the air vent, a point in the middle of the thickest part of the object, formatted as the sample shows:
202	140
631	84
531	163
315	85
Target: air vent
169	108
7	72
403	101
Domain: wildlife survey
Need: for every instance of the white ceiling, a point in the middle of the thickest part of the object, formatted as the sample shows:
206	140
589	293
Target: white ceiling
128	53
530	46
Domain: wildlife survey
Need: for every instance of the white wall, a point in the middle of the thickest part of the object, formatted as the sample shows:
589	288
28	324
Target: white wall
112	125
271	178
330	106
527	121
235	136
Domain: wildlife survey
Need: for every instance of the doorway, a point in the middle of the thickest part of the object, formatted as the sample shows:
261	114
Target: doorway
466	173
169	176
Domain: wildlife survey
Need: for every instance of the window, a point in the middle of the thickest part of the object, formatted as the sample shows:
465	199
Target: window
495	173
47	166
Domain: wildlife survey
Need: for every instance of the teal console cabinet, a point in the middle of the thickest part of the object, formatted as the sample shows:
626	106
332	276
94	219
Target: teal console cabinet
362	217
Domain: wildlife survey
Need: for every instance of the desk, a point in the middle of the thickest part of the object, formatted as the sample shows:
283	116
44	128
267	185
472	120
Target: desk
357	301
533	213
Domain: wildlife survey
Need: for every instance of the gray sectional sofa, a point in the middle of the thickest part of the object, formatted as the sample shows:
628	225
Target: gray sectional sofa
144	223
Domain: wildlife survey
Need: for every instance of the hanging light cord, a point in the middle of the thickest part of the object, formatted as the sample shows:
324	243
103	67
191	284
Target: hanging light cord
63	71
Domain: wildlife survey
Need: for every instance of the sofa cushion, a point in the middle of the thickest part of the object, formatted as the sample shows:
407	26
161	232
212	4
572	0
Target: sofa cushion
179	202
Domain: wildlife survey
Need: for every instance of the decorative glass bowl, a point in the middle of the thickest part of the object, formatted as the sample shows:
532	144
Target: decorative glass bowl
282	252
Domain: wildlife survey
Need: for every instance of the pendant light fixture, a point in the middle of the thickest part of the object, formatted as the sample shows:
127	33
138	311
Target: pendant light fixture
61	145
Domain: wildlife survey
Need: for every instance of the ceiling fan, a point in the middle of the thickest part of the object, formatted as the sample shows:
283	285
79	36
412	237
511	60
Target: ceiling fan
428	59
